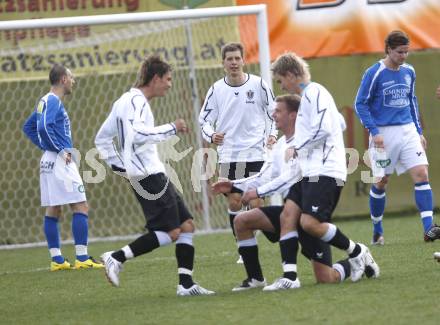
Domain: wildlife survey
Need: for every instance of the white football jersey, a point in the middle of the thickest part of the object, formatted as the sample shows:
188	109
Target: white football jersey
244	114
276	176
319	134
131	122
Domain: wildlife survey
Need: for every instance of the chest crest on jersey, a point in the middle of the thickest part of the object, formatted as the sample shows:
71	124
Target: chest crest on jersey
250	96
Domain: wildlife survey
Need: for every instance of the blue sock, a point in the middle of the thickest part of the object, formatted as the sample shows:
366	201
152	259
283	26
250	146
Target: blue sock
80	230
423	196
53	238
377	208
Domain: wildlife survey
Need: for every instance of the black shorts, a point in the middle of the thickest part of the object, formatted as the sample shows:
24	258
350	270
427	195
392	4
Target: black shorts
317	197
311	247
166	212
238	170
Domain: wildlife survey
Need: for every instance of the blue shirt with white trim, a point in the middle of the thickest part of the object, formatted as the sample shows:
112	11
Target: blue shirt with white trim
387	97
48	127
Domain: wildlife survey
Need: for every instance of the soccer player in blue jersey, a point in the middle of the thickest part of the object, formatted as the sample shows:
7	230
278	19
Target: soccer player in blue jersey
386	105
48	127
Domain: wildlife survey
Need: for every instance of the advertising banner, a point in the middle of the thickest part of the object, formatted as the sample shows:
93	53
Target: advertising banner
316	28
29	53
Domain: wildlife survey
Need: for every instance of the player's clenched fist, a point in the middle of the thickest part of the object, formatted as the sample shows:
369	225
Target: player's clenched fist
180	125
218	138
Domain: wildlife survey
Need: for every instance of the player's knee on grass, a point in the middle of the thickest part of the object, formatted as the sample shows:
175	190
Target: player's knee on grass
325	273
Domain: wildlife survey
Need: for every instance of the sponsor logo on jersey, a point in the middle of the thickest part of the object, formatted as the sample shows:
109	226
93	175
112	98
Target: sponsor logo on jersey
314	209
382	163
47	167
388	83
236	93
396	96
250	96
81	188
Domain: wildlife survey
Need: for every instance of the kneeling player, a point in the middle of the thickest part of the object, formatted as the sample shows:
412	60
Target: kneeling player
279	176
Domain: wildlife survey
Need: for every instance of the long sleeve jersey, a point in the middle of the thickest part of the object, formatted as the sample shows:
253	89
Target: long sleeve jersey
244	114
276	176
387	97
131	124
319	134
48	127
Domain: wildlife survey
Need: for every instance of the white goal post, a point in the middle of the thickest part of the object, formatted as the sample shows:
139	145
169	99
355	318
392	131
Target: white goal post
22	216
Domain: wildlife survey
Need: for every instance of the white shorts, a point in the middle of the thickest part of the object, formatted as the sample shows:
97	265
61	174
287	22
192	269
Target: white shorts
403	150
59	183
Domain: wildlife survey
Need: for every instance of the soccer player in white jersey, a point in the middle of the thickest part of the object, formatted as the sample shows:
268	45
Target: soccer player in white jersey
237	117
278	175
135	155
48	127
386	105
319	147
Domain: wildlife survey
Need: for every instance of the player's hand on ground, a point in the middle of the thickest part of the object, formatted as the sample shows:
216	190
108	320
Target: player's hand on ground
249	196
423	141
222	186
378	141
218	138
271	141
180	125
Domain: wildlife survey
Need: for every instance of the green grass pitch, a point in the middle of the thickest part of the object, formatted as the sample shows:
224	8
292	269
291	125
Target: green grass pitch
406	293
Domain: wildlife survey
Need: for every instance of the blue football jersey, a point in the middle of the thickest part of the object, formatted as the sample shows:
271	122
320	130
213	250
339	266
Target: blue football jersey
48	127
387	97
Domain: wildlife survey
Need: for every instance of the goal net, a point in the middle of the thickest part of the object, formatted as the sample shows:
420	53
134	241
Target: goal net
103	53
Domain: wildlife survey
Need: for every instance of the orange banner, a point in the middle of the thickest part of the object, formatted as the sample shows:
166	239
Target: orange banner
314	28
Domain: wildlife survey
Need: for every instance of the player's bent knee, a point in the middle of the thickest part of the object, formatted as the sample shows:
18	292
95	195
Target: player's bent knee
240	223
308	224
